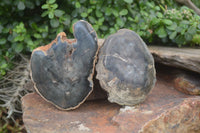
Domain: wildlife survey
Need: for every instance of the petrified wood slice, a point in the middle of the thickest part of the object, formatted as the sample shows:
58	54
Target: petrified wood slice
125	68
62	71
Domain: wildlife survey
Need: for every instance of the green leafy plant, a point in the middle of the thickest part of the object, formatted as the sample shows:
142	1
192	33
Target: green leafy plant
26	24
36	23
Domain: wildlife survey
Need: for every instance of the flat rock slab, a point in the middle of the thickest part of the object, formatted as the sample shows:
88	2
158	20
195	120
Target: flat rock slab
187	58
165	110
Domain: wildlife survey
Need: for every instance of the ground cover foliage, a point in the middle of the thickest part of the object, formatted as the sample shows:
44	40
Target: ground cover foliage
27	24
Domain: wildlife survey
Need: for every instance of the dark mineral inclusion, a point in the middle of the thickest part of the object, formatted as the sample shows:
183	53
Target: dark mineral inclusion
62	71
125	68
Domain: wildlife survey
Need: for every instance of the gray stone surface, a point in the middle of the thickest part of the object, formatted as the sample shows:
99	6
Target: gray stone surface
186	58
125	68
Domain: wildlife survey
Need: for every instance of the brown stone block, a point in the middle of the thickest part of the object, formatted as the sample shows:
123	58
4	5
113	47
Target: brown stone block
164	110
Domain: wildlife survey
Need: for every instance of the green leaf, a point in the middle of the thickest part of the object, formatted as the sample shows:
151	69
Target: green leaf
91	19
77	5
129	1
89	10
161	32
67	21
54	6
155	21
19	48
19	38
21	5
58	13
96	27
115	12
185	22
51	15
172	27
4	66
180	40
45	13
84	14
45	6
1	28
188	36
108	11
159	14
179	29
173	35
120	22
104	28
192	30
52	1
36	35
167	22
2	41
54	23
98	14
123	12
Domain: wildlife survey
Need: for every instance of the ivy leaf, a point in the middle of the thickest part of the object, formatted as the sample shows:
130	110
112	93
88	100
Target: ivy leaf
58	13
129	1
123	12
21	5
54	23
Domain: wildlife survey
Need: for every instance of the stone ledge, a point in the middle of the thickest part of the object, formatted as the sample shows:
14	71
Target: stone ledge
186	58
164	110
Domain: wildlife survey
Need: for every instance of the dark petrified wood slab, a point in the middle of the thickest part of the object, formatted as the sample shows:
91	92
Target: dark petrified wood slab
164	110
125	68
63	70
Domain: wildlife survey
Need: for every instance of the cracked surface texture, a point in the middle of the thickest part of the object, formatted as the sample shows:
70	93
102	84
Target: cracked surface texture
125	68
63	70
